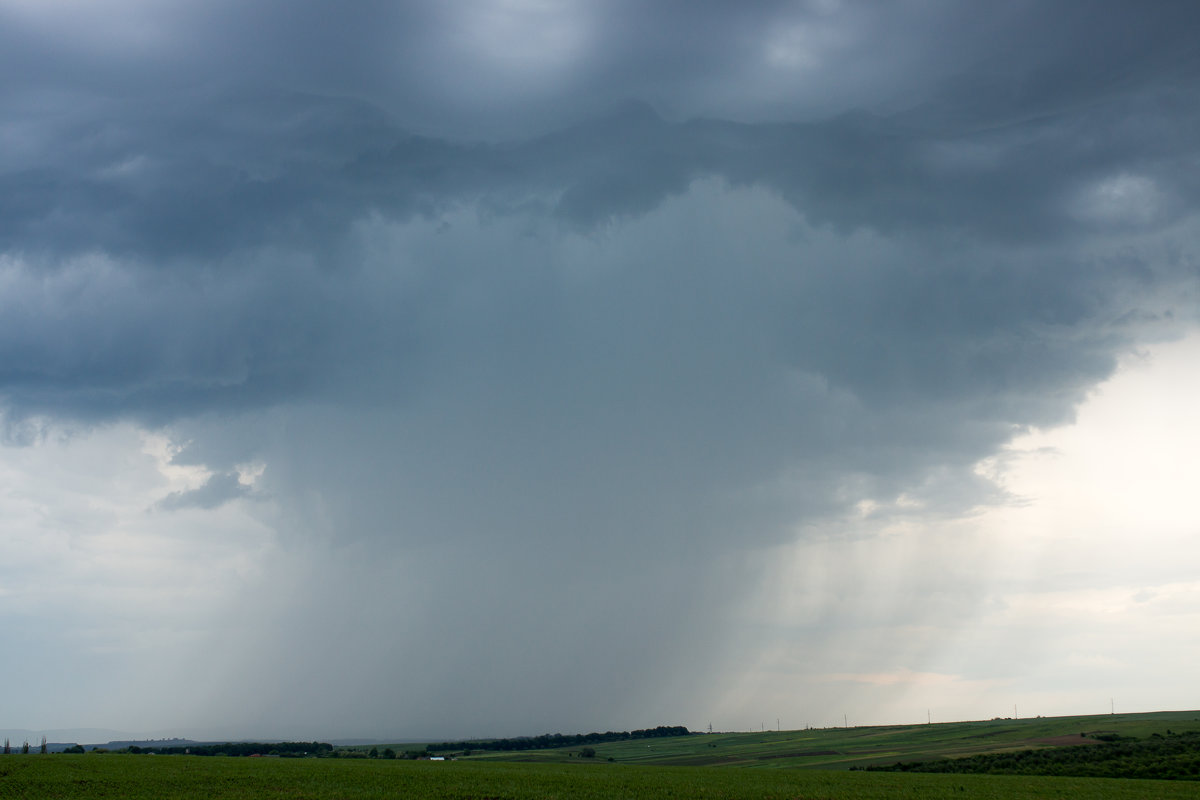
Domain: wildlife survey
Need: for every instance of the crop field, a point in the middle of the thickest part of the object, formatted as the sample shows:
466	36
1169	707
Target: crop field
138	777
842	748
720	766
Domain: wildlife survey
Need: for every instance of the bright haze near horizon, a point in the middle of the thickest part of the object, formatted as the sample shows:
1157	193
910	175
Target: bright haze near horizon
505	367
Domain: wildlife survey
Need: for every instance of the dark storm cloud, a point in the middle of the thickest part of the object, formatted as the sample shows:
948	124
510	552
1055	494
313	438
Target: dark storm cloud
300	171
995	139
544	317
263	193
482	69
204	250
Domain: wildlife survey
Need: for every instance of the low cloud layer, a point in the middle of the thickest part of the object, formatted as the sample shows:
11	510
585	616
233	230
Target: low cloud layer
503	395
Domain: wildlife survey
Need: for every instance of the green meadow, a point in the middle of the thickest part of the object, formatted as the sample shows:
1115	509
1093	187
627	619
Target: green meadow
63	777
797	765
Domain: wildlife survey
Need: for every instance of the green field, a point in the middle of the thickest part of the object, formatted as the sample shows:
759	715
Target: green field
842	748
720	766
51	777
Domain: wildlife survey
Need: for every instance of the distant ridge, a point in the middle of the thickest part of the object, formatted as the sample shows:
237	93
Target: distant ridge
99	736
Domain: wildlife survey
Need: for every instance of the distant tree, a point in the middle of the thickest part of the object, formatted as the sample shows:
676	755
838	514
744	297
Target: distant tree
558	740
44	750
25	747
389	753
7	746
587	752
78	748
374	752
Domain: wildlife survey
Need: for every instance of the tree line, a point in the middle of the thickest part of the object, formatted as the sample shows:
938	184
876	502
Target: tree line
283	749
8	748
553	740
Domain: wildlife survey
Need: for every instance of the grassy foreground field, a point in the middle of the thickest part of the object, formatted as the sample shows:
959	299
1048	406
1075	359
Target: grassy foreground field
55	777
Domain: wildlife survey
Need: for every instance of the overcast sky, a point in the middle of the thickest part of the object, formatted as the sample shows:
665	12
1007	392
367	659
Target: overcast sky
505	367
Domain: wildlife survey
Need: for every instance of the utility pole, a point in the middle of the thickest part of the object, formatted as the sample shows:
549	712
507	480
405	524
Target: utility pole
928	717
1015	711
845	722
